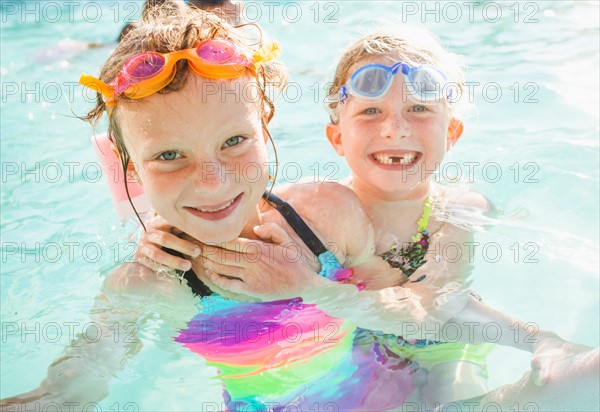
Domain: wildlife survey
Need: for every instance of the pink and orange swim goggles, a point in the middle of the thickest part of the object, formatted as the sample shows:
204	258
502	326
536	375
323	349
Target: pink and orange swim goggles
147	73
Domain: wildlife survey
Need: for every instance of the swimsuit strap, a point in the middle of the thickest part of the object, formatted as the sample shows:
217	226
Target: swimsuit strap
423	221
295	221
198	287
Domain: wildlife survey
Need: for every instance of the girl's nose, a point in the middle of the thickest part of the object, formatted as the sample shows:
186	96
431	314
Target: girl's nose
395	126
208	176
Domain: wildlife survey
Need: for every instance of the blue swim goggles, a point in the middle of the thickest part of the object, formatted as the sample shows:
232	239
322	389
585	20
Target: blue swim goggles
425	84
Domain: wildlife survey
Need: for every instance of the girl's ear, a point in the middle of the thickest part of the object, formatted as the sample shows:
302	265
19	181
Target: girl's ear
335	137
455	130
132	173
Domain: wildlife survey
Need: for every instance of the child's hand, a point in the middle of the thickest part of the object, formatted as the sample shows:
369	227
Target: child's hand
41	398
549	350
258	269
23	402
160	234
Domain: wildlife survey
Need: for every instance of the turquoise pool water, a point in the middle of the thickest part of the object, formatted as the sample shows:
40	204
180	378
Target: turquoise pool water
531	137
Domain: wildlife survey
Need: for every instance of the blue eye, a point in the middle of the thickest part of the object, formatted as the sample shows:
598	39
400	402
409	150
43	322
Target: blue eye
370	110
169	155
234	141
419	108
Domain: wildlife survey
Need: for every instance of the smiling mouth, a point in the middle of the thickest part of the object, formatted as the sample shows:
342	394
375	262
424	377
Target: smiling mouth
396	158
217	211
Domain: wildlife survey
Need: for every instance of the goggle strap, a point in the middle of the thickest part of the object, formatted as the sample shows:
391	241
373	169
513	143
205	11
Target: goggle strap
343	94
266	53
98	85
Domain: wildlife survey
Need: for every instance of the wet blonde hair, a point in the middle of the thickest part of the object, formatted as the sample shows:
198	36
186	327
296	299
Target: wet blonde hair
168	27
412	45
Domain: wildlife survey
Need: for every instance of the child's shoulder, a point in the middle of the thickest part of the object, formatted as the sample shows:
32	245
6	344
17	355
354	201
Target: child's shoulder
463	209
138	287
128	278
137	280
333	211
324	192
455	196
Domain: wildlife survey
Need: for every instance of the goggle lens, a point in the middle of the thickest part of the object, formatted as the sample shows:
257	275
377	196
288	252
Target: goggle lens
218	51
370	82
373	81
143	66
427	82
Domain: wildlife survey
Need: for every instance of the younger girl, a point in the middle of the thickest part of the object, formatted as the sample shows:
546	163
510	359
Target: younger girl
393	106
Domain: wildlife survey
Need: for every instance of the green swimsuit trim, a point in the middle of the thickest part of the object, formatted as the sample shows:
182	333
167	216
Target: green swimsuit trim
411	256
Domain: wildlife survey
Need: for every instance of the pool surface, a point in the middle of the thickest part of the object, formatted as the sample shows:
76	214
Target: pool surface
531	145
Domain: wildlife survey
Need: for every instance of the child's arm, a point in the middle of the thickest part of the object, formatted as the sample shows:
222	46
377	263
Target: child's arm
573	387
436	309
478	322
484	324
83	372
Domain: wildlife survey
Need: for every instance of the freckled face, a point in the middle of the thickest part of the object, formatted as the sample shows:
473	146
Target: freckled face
201	157
392	145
